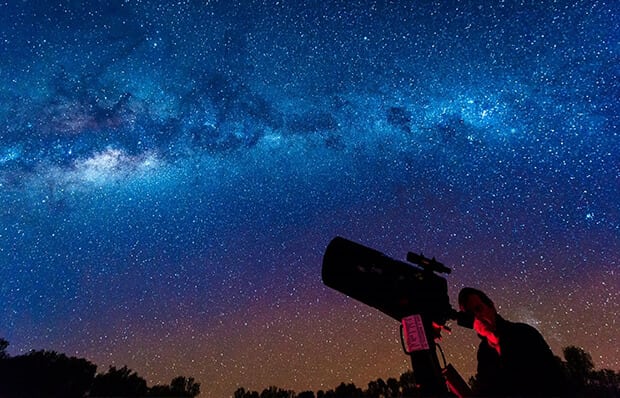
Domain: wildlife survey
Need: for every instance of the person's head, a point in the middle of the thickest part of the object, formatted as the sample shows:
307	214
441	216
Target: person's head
477	303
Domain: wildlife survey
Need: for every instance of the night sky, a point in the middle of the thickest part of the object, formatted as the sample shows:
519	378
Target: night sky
171	173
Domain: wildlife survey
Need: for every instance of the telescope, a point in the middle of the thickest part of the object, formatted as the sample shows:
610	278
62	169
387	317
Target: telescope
412	293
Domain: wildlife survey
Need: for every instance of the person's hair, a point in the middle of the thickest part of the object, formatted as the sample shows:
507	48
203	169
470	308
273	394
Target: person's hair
468	291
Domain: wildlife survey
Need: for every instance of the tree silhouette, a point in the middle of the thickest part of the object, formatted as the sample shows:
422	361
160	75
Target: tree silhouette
578	365
408	385
588	383
242	393
3	346
160	391
585	381
326	394
306	394
184	387
45	374
50	374
275	392
604	383
377	389
179	387
348	391
393	387
119	382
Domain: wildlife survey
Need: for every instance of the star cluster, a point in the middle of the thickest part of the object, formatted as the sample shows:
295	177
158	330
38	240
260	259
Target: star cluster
171	174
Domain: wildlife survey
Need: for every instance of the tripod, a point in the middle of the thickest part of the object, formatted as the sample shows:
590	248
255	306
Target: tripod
418	340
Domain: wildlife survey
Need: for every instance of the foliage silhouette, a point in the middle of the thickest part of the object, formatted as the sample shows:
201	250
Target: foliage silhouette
408	385
3	346
377	388
184	387
52	375
242	393
275	392
348	391
119	382
578	365
179	387
586	381
45	374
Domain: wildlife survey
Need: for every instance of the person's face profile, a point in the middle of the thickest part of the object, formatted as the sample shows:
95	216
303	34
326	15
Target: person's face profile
484	315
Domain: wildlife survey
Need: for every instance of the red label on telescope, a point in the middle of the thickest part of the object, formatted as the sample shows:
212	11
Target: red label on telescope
415	337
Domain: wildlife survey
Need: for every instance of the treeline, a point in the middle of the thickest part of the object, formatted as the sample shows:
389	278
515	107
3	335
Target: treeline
53	375
584	382
404	386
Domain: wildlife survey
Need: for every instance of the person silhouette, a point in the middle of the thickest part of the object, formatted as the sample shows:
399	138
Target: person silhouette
514	360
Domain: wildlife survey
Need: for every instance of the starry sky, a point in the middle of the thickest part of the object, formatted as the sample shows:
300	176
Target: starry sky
171	173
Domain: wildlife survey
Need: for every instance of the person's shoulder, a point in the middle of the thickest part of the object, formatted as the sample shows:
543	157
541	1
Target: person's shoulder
522	329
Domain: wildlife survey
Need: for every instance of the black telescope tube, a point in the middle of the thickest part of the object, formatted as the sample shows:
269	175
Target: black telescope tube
396	288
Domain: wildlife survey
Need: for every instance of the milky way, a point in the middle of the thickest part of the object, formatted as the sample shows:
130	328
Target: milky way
171	174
